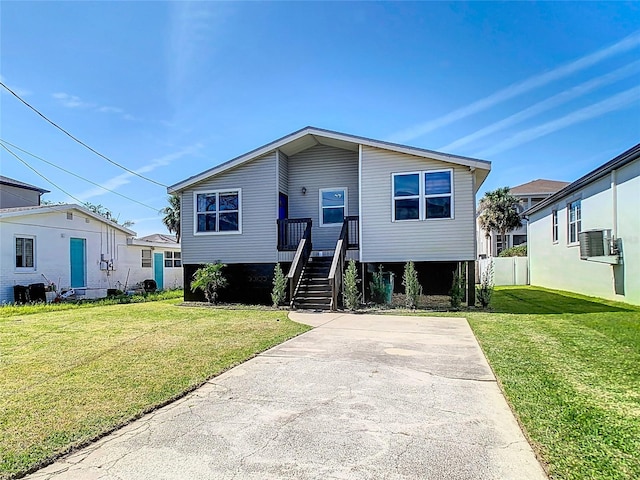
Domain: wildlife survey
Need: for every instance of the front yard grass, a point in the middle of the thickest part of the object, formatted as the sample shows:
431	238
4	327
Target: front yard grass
570	368
68	376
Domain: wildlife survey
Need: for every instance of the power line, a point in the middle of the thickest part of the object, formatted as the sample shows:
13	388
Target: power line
39	174
80	141
78	176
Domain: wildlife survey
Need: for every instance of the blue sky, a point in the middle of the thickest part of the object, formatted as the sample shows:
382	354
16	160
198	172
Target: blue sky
542	90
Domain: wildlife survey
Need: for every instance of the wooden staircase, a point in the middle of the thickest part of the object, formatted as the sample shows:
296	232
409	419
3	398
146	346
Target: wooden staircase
314	288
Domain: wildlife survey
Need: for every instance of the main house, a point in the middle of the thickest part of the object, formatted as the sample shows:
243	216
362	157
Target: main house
529	194
586	237
316	198
74	248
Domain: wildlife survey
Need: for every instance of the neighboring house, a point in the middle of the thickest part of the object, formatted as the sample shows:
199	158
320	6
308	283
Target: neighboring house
73	247
388	203
14	193
529	194
586	237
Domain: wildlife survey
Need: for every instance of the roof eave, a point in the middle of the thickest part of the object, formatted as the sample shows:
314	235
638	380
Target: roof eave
265	149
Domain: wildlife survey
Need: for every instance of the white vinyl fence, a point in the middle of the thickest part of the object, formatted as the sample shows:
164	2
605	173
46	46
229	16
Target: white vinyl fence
506	270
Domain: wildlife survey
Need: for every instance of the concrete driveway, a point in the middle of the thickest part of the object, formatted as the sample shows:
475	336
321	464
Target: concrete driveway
358	397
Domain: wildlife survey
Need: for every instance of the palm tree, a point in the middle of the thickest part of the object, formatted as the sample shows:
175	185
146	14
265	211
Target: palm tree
499	212
172	215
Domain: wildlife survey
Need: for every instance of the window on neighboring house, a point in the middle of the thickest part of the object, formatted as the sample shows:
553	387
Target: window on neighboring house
172	259
146	258
500	243
519	240
554	228
218	211
25	252
574	221
333	206
422	195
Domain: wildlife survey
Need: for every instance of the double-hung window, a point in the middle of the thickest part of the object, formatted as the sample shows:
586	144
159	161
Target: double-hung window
146	258
554	226
574	221
422	195
218	211
333	206
25	252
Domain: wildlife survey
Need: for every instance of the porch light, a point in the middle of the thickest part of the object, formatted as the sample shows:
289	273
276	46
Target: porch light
304	190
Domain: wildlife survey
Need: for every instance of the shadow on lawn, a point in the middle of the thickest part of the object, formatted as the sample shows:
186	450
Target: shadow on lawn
530	301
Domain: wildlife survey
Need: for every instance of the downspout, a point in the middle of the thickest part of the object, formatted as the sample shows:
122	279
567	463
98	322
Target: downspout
614	202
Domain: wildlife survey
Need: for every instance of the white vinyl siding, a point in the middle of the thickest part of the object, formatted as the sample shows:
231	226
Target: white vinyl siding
322	167
257	242
384	240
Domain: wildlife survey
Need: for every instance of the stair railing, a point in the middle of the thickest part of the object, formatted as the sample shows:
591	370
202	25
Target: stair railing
337	265
300	260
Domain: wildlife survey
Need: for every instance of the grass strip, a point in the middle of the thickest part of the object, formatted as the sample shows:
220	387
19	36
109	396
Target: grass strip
68	376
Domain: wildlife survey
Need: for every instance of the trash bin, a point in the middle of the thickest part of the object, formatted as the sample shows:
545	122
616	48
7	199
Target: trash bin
20	294
36	292
388	280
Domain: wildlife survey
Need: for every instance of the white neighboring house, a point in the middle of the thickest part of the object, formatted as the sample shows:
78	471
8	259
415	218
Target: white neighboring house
75	248
586	237
529	194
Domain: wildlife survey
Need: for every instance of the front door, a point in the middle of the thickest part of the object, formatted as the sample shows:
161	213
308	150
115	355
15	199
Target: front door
283	206
158	269
78	256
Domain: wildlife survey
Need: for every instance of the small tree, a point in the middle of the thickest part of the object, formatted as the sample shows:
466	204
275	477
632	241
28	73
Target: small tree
485	290
351	294
457	289
499	212
377	288
210	280
279	291
412	288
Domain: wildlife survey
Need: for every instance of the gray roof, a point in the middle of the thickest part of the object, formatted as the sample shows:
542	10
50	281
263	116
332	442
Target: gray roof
309	136
159	238
620	161
17	183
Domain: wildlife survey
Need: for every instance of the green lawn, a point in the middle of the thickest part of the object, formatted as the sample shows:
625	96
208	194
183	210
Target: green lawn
570	368
68	375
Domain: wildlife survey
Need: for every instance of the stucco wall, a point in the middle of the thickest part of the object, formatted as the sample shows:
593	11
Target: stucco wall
558	265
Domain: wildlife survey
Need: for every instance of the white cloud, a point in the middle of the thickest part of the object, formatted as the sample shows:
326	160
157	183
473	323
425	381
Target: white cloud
118	181
537	81
110	110
71	101
547	104
617	102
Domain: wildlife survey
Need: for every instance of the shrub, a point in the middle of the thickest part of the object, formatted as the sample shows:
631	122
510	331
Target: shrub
457	289
351	294
485	290
519	251
279	292
377	288
412	288
210	280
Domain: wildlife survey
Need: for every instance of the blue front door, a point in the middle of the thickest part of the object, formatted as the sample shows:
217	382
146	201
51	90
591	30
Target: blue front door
78	255
158	269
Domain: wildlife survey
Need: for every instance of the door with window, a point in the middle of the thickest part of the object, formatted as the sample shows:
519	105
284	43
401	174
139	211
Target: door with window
158	269
78	256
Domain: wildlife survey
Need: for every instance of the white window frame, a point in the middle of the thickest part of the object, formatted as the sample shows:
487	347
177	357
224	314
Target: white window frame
142	258
15	253
577	221
555	226
174	258
422	196
321	208
217	193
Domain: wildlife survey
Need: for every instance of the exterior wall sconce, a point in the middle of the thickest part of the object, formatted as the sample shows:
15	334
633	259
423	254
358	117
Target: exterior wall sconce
304	190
